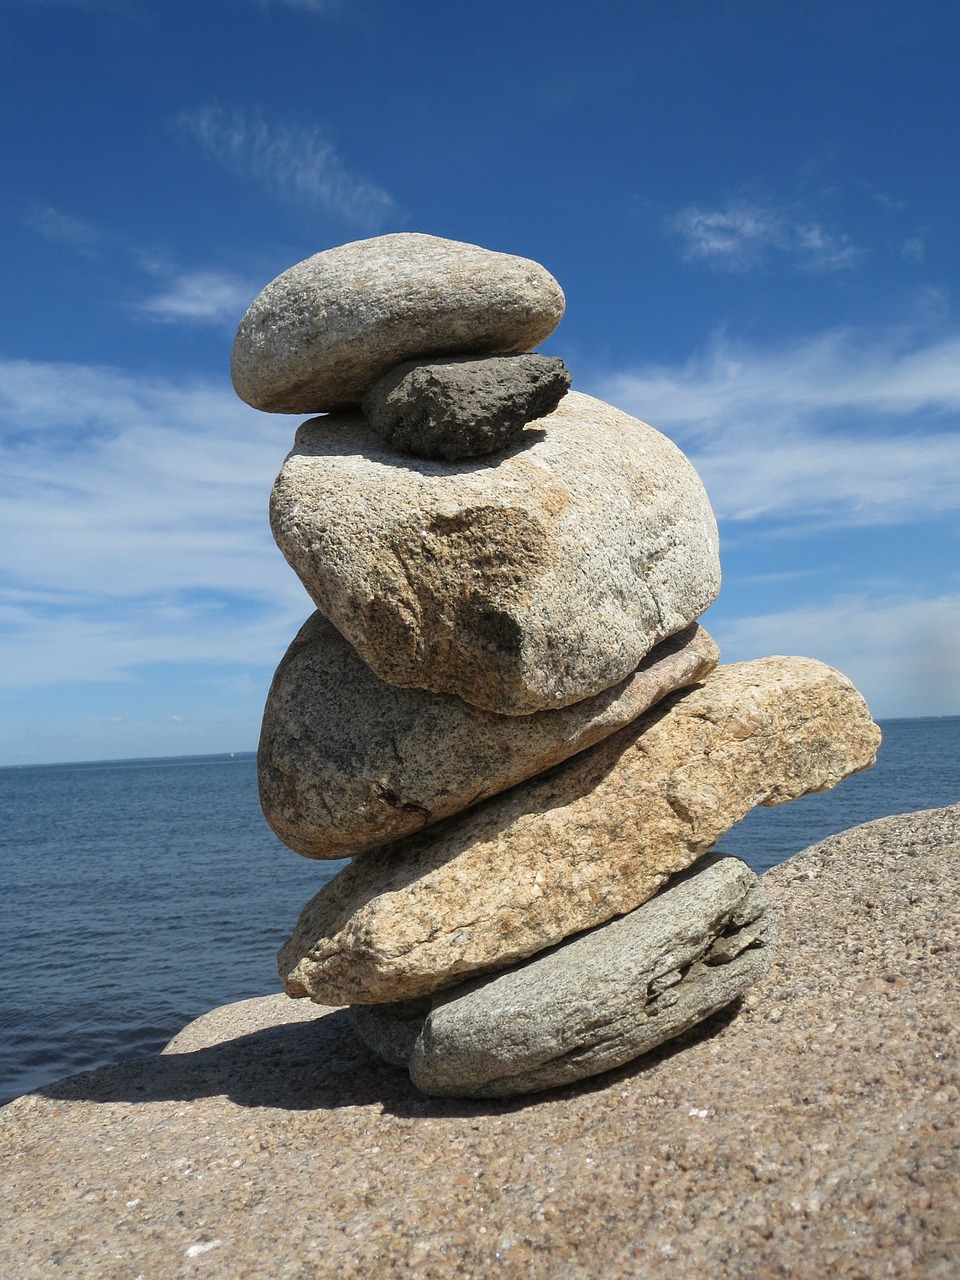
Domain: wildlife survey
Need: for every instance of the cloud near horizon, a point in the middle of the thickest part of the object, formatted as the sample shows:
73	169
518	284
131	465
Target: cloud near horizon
294	161
900	649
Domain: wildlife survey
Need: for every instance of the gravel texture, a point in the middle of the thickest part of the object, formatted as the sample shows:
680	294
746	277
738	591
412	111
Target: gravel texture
815	1133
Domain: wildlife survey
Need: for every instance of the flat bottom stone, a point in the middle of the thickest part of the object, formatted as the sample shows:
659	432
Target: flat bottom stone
594	1002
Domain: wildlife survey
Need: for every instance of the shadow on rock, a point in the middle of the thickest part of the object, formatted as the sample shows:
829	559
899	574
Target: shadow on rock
296	1066
319	1065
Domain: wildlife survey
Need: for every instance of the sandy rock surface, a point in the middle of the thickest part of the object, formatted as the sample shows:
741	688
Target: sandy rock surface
590	839
816	1133
320	335
521	582
595	1002
347	761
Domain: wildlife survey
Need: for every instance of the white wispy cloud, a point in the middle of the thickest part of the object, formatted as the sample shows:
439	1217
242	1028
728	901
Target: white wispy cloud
91	6
201	297
133	525
899	649
888	203
310	6
64	229
742	234
845	427
296	162
133	511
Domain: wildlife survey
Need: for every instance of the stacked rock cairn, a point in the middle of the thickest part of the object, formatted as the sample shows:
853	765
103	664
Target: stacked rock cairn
503	710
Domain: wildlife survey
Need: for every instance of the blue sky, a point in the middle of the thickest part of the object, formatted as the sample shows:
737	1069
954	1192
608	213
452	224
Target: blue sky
752	209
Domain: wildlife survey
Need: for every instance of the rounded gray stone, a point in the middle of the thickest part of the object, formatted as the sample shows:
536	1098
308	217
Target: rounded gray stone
324	331
463	406
592	1003
526	583
347	761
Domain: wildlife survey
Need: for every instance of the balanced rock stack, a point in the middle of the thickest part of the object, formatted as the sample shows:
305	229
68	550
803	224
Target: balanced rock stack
503	710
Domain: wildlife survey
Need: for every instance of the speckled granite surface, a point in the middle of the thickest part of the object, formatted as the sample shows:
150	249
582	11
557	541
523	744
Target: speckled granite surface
816	1133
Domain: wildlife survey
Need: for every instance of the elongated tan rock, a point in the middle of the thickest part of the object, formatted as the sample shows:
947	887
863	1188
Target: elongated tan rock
590	839
320	335
347	761
594	1002
521	586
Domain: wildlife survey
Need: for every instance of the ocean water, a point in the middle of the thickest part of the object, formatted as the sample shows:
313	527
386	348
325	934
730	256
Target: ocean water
136	895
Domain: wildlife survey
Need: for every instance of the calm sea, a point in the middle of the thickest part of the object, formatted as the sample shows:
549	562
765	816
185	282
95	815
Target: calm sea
136	895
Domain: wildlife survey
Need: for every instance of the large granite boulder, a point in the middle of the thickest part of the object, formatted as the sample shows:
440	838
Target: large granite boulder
528	584
462	406
592	1003
324	331
347	761
592	838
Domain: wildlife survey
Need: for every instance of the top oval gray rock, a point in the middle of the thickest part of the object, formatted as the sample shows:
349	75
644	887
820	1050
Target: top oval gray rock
319	336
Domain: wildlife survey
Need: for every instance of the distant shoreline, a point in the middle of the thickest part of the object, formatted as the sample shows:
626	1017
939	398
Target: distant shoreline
220	757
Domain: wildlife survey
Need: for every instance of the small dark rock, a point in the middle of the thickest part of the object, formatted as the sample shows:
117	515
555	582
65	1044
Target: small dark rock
463	406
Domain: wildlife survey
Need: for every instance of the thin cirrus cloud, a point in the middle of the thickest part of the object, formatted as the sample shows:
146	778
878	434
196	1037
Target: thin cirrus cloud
200	297
185	297
310	6
743	235
296	162
64	229
844	428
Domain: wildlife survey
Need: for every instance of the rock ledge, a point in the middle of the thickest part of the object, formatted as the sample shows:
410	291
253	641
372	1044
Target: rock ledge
815	1133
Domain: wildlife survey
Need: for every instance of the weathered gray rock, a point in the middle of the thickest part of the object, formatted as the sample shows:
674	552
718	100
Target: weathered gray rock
392	1030
347	761
531	582
324	331
591	839
594	1002
462	406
